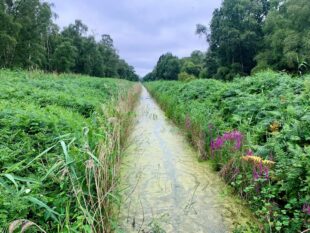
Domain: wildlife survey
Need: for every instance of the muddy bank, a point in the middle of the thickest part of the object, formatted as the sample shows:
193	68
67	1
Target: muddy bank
164	187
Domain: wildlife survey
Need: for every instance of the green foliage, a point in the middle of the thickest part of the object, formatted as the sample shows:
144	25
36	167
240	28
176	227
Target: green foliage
8	32
190	68
167	68
51	127
253	35
272	112
193	64
64	57
170	67
35	18
185	77
149	77
29	39
235	37
286	38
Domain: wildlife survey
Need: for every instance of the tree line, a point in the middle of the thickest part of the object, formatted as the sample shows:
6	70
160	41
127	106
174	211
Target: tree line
246	36
29	39
170	67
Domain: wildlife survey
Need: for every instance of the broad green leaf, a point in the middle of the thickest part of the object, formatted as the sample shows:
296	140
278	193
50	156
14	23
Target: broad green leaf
42	205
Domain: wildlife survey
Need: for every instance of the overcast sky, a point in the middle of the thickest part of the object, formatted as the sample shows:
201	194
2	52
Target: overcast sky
142	30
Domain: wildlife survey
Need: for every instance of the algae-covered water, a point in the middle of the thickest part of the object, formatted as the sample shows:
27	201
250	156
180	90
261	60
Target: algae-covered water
165	188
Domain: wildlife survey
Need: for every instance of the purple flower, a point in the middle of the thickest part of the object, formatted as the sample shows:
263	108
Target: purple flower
306	209
230	136
249	153
263	171
255	174
260	166
217	143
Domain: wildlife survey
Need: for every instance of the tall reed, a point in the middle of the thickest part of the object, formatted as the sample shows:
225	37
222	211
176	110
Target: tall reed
101	170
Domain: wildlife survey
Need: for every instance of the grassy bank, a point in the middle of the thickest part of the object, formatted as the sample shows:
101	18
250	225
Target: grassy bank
61	139
256	133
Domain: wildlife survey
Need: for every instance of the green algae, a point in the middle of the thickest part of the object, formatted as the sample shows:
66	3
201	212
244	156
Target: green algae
165	188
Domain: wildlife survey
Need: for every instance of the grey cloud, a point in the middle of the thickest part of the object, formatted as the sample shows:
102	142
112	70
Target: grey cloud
142	29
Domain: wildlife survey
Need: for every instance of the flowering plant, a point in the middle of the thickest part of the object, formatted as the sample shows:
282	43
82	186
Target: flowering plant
219	142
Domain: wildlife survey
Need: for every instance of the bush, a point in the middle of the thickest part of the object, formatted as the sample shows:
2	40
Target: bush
185	77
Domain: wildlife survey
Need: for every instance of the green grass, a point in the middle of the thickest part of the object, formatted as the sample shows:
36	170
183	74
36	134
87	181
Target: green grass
54	130
272	111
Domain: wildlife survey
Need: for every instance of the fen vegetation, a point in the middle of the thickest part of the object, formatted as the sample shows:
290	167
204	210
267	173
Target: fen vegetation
61	142
62	129
244	104
255	131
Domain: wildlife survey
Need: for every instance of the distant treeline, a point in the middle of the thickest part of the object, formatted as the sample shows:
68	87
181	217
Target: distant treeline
246	36
29	39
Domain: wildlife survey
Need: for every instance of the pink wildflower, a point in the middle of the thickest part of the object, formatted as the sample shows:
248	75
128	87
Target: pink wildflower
306	209
232	136
249	152
255	174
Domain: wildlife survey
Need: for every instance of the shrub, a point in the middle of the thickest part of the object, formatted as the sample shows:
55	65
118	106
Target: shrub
185	77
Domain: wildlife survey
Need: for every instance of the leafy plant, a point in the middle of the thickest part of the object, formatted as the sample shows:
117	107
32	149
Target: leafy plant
270	166
59	150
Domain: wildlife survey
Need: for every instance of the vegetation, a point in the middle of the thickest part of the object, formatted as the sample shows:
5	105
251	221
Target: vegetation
286	40
252	35
30	40
247	36
61	136
256	133
60	143
169	67
255	130
236	35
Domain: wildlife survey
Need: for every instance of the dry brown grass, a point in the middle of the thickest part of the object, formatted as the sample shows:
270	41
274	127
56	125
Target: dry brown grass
103	173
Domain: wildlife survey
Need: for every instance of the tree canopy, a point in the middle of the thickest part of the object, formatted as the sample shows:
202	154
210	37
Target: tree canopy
287	38
170	67
250	35
246	36
29	39
235	37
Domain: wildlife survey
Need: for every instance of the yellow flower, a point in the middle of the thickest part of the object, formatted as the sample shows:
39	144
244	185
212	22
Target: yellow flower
268	162
257	160
274	127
